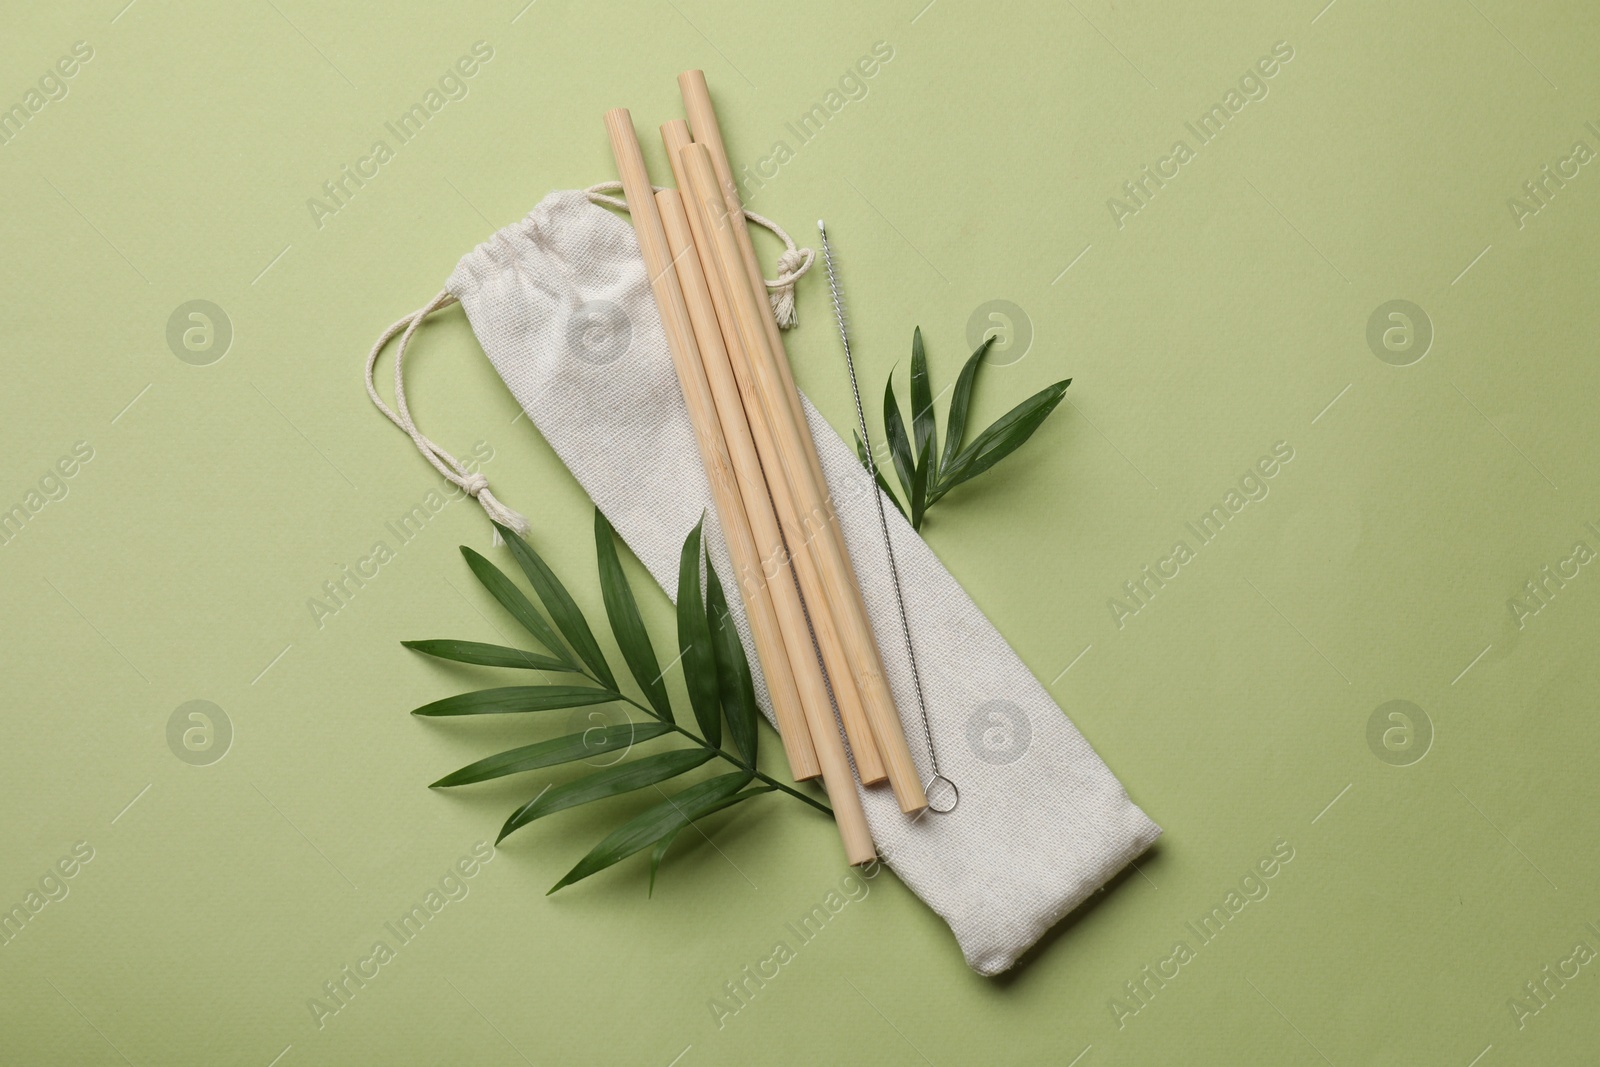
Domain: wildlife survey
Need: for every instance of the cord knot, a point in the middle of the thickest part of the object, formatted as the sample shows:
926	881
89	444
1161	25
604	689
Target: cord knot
474	484
792	263
501	515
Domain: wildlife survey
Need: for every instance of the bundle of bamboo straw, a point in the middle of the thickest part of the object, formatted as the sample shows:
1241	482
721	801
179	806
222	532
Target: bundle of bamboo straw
794	573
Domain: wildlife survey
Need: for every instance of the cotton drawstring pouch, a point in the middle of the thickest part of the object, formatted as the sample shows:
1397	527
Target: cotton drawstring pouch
561	304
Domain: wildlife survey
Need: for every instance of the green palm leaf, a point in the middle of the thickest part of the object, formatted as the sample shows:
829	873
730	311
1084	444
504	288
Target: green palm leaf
623	611
654	823
516	602
594	742
716	672
514	698
488	655
694	642
613	781
1005	436
924	429
919	483
733	671
563	610
894	428
955	426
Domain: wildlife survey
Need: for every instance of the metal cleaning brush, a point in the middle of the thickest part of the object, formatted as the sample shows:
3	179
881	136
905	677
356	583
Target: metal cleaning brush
946	797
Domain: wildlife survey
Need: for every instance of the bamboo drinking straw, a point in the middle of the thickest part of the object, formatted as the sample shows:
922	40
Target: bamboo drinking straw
732	371
814	694
793	726
793	441
707	131
869	668
782	615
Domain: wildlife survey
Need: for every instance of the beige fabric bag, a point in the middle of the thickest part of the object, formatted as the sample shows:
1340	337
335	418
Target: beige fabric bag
561	303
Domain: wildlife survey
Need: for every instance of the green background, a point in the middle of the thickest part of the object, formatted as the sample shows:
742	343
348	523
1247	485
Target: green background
1228	314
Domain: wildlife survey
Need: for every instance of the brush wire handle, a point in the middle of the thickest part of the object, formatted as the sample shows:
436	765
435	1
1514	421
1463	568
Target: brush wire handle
946	796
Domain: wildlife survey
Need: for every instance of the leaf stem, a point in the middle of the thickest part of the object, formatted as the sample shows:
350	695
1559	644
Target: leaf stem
723	753
747	767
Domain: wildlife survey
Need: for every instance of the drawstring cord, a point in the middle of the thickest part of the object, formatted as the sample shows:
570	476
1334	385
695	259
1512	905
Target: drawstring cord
475	485
792	265
792	262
